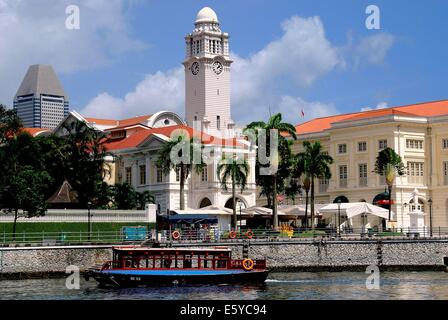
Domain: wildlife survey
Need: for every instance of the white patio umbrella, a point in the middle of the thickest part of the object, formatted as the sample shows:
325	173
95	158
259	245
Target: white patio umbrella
351	210
299	210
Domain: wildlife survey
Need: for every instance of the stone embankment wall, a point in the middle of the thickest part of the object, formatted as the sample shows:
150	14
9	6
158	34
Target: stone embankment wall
286	256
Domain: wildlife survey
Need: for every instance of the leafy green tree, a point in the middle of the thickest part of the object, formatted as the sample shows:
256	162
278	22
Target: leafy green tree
389	164
143	198
24	191
178	154
272	184
104	197
315	164
10	123
52	155
124	196
236	170
292	189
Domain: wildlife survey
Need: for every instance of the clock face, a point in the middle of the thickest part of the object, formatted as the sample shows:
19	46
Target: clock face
217	67
195	68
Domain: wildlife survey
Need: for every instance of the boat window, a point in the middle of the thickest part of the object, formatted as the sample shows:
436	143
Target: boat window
221	262
167	262
206	262
187	262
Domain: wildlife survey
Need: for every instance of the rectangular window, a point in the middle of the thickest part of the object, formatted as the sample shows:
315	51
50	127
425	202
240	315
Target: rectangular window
363	175
159	175
343	176
415	172
128	175
204	175
445	143
218	122
362	146
382	144
323	185
142	175
414	144
342	148
445	172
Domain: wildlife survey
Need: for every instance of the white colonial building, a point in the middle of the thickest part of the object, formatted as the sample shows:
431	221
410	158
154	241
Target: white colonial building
135	142
418	133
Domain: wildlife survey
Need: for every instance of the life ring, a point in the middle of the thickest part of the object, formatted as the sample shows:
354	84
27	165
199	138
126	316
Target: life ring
232	234
176	235
248	264
249	234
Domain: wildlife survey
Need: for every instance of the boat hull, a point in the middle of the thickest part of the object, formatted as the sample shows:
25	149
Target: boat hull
135	278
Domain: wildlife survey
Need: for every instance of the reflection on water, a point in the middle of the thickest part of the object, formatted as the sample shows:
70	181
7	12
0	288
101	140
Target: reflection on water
284	286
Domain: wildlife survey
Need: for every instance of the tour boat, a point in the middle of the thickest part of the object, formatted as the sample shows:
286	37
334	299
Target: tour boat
143	266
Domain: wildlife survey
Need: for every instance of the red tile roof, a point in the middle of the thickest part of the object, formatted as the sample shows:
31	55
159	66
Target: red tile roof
36	131
121	123
426	109
138	137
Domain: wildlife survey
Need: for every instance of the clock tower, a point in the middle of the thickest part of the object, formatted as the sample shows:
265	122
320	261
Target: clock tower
207	76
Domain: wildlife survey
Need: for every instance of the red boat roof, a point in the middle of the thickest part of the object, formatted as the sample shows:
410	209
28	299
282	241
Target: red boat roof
139	248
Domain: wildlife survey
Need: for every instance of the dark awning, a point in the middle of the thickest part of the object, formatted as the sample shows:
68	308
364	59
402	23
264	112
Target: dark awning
188	218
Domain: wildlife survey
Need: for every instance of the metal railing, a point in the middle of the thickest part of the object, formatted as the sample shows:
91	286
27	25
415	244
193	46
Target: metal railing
68	238
218	236
298	234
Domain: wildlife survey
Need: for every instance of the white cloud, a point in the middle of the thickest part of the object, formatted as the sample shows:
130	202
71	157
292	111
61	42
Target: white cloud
159	91
300	57
373	49
291	108
380	105
34	32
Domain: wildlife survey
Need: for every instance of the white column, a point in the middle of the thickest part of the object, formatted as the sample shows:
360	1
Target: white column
134	175
148	169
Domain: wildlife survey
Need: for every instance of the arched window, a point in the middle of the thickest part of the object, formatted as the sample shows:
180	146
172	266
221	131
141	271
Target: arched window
343	199
205	203
417	207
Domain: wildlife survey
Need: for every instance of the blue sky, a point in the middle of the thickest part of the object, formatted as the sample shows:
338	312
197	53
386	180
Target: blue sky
126	58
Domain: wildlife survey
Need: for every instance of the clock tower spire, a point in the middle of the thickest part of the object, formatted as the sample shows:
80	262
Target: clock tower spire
207	76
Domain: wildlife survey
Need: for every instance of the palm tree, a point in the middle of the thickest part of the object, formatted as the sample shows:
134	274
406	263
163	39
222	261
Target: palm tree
85	165
236	170
274	123
307	186
172	157
315	164
389	164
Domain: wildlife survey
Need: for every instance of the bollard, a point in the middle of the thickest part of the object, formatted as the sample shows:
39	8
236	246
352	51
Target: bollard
445	262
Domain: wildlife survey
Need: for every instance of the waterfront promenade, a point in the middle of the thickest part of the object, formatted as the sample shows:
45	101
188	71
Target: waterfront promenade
313	254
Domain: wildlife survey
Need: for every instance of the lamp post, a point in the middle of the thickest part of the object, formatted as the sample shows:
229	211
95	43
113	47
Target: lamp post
339	217
240	205
89	227
430	217
402	215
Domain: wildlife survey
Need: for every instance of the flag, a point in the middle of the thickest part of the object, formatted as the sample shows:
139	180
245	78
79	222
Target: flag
302	113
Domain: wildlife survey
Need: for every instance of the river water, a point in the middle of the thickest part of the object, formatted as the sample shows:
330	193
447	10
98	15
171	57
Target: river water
279	286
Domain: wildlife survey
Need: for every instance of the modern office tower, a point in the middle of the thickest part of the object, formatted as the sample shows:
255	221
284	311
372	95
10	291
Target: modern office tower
41	102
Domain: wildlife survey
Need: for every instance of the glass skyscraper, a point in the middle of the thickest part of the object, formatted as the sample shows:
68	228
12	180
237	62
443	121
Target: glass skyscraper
41	101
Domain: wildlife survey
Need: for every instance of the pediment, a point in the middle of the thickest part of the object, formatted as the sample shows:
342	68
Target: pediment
154	141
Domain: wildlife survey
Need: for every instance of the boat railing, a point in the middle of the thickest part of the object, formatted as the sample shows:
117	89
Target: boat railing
258	264
234	264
